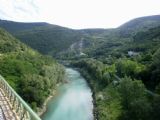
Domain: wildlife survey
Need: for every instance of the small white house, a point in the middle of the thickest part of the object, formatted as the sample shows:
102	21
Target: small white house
132	53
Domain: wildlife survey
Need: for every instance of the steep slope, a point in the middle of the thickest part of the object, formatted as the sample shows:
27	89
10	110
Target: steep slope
46	38
50	39
31	74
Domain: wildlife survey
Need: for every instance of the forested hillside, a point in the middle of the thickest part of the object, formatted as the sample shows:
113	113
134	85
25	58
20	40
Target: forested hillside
49	39
14	27
46	38
125	76
122	65
139	24
31	74
68	43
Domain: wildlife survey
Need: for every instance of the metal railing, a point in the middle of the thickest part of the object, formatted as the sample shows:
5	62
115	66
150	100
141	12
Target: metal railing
21	108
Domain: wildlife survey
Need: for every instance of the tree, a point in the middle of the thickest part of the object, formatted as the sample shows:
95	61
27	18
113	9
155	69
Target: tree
155	68
133	99
156	104
126	67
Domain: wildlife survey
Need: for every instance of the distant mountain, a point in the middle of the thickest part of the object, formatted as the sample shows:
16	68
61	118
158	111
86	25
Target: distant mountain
14	27
44	37
50	39
58	41
139	24
138	34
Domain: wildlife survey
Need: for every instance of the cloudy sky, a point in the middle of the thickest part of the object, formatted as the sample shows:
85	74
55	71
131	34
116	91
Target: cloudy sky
78	13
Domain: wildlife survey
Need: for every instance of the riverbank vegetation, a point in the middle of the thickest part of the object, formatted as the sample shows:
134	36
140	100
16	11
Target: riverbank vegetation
126	83
31	74
120	88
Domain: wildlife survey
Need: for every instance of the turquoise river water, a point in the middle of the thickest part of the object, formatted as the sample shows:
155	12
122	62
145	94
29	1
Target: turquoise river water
73	100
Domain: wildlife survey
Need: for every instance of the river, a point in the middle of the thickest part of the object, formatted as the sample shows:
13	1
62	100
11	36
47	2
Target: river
73	100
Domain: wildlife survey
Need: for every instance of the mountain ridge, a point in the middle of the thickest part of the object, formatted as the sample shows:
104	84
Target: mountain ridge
49	39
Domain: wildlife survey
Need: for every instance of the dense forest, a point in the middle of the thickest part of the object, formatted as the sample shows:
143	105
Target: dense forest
46	38
122	65
31	74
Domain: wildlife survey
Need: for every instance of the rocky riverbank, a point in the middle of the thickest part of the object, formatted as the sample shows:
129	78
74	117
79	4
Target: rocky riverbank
43	109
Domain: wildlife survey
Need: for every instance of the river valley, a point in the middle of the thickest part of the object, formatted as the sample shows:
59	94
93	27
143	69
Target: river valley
73	100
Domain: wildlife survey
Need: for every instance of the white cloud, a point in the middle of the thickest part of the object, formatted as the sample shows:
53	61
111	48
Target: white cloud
18	10
78	13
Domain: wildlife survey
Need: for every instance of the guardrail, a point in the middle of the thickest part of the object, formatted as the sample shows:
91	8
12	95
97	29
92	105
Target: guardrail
21	108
